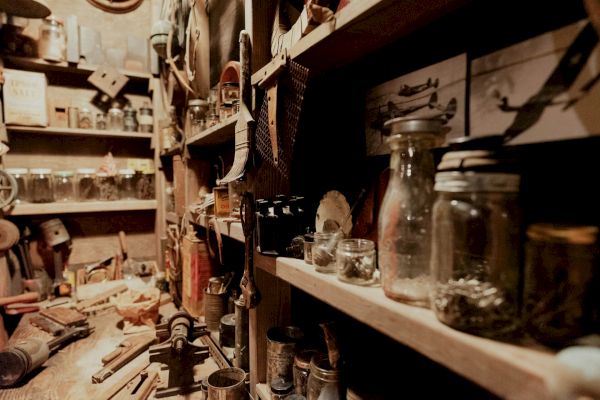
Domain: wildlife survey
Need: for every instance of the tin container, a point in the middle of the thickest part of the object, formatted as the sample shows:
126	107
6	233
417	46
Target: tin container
227	331
227	384
215	306
282	345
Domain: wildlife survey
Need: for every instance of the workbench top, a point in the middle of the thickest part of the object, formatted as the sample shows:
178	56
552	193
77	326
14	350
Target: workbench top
68	373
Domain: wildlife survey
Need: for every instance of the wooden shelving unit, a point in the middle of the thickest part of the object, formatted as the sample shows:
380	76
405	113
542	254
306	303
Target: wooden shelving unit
77	132
232	229
507	370
222	133
361	28
82	207
262	390
40	65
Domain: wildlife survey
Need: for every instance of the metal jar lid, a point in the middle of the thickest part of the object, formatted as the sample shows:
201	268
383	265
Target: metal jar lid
459	182
320	368
572	234
16	171
414	124
302	359
198	102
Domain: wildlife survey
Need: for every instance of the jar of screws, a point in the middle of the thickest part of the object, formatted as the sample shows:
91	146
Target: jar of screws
355	260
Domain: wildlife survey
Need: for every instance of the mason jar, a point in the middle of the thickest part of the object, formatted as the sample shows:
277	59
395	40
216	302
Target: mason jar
127	184
52	43
41	185
107	187
21	176
324	381
475	252
355	260
324	251
85	182
64	186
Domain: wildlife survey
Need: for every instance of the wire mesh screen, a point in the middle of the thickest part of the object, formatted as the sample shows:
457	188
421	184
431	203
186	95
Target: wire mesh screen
291	88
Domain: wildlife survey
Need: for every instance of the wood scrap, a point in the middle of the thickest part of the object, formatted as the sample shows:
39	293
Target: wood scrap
101	297
64	316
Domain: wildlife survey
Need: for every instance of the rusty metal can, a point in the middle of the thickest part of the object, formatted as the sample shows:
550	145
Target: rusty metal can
282	345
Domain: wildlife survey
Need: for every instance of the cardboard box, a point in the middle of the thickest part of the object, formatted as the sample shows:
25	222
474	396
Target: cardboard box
25	98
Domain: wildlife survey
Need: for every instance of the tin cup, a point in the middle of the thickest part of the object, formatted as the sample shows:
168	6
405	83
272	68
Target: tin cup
215	306
227	384
282	345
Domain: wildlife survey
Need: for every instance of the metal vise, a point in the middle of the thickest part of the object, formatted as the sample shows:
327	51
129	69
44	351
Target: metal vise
179	353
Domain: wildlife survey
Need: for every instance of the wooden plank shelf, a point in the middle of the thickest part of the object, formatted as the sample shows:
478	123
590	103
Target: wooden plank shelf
219	134
363	27
509	371
232	229
40	65
262	390
172	218
82	207
77	132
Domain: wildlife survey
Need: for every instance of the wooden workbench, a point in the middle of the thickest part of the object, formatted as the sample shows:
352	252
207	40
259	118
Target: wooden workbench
68	373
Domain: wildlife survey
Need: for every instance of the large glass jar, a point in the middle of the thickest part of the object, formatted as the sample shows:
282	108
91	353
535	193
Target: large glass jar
324	381
52	44
130	122
86	184
41	185
107	187
560	297
127	187
146	119
21	176
324	251
475	256
355	259
145	186
405	216
301	370
63	186
116	120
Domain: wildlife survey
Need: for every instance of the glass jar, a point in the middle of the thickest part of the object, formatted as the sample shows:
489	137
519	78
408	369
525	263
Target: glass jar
230	91
225	111
130	123
280	389
235	191
235	106
63	186
212	119
101	121
85	182
85	119
41	185
196	113
324	249
324	381
146	119
52	43
559	298
116	120
404	225
301	370
21	176
475	257
145	186
127	184
309	240
355	260
107	187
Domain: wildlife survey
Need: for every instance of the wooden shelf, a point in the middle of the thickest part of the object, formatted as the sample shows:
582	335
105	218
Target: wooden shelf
262	390
172	218
40	65
232	229
222	133
77	132
509	371
361	28
82	207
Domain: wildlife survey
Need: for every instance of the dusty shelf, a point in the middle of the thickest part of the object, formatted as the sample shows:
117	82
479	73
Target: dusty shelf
77	132
507	370
232	229
361	28
82	207
40	65
262	390
221	133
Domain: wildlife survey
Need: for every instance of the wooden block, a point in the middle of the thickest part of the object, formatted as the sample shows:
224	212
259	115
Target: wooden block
64	316
58	113
108	80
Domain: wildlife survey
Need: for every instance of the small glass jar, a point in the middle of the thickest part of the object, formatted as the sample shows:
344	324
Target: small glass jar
225	111
52	43
127	184
235	105
324	381
301	370
309	240
235	189
230	91
355	259
130	123
85	119
64	186
107	187
280	389
41	185
85	182
146	118
212	119
474	257
21	175
324	249
559	294
145	186
196	113
116	120
101	121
